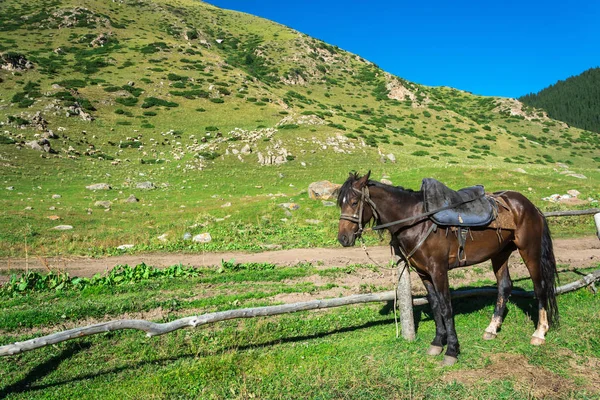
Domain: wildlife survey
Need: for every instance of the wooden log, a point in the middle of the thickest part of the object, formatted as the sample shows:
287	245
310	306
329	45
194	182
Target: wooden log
155	329
572	213
405	304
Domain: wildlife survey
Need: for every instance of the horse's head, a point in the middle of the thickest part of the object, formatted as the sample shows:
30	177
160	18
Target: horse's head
356	207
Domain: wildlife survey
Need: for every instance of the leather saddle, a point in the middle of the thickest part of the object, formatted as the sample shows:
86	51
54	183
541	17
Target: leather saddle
469	206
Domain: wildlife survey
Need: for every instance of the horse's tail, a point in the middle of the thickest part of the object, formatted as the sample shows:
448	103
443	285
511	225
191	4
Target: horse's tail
549	274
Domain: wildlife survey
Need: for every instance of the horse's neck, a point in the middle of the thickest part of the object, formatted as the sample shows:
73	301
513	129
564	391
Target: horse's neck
394	204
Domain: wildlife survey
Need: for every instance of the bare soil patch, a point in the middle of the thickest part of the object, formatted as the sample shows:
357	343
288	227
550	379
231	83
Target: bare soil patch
537	381
578	253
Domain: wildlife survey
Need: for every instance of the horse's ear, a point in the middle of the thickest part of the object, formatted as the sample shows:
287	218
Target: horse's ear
362	182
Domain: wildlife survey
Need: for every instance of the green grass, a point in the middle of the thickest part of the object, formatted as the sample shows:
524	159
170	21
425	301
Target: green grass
137	120
350	352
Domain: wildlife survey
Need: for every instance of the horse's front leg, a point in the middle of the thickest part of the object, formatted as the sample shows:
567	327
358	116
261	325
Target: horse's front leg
438	343
440	283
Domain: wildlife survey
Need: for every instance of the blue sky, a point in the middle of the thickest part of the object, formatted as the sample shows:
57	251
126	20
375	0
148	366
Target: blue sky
497	48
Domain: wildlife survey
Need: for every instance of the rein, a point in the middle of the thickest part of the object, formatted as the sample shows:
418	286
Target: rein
425	214
366	198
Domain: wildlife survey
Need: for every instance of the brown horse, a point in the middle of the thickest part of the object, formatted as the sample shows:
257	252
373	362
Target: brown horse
432	251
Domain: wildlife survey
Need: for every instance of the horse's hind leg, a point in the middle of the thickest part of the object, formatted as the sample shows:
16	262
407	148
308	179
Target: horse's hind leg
538	255
500	265
531	258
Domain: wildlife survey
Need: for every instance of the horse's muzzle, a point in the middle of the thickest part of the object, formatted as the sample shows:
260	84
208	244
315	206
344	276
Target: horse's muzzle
347	240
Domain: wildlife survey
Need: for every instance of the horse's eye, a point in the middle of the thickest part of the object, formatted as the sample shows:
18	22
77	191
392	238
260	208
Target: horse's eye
354	203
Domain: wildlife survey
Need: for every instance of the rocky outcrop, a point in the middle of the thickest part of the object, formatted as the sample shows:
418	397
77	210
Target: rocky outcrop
100	40
42	145
14	62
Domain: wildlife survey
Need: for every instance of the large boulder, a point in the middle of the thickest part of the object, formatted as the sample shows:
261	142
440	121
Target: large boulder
323	190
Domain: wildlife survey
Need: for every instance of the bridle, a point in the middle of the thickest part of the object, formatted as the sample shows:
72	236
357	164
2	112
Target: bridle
357	218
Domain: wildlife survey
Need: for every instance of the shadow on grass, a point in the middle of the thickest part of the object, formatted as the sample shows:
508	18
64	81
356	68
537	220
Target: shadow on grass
42	370
469	305
25	384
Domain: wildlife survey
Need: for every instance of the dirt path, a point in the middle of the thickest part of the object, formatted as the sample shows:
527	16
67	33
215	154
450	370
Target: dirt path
577	253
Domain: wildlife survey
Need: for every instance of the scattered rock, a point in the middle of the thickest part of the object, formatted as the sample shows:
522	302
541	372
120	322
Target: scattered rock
51	208
131	199
391	157
49	135
56	196
573	192
145	185
163	237
41	145
290	206
76	109
28	208
10	188
313	221
39	122
520	170
578	176
323	190
226	205
328	203
125	246
100	40
99	186
187	236
202	238
568	198
103	204
387	182
63	227
246	149
53	217
271	246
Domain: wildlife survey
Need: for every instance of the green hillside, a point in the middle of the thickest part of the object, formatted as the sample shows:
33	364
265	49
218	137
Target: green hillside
229	116
575	100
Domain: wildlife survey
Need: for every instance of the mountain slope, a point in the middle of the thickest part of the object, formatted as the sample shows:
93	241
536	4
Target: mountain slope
212	106
575	100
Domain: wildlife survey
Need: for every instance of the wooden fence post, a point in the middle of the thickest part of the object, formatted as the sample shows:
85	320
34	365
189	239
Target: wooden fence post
597	220
405	303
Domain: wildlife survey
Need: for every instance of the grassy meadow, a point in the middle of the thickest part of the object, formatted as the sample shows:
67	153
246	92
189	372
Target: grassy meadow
191	98
230	117
349	352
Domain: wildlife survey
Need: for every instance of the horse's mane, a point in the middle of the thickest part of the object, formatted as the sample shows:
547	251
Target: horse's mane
346	188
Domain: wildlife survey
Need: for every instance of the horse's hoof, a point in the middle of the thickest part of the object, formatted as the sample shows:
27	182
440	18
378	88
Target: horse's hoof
489	336
536	341
448	361
435	350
